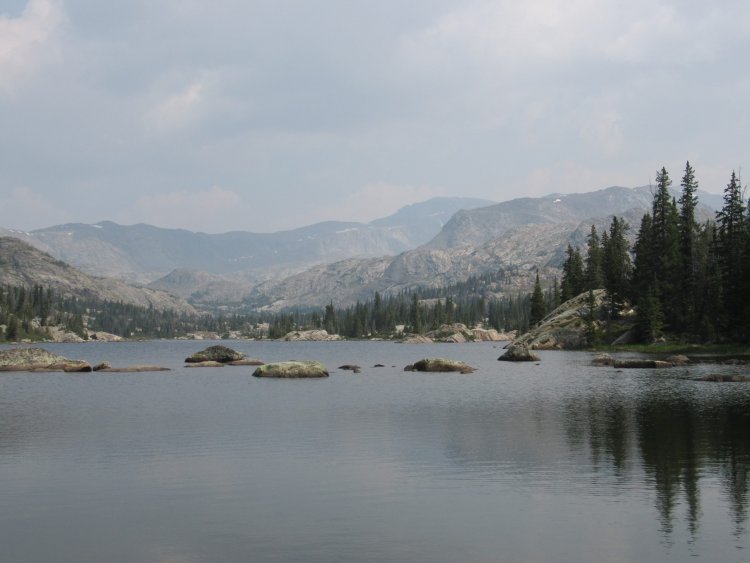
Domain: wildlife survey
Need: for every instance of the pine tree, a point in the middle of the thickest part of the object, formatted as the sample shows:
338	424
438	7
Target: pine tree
731	248
616	265
537	303
594	278
329	319
572	279
649	321
709	312
688	231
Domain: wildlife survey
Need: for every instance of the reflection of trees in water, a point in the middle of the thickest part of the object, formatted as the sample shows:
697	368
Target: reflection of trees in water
732	450
602	425
667	433
678	439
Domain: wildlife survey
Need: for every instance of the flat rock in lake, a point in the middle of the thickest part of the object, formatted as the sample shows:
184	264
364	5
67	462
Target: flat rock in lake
208	364
38	359
440	365
292	369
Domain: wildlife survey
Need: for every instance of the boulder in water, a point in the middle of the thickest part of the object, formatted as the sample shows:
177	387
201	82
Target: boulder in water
440	365
292	369
220	354
36	359
518	353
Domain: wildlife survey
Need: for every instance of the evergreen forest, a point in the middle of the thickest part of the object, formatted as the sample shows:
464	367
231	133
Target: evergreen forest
683	279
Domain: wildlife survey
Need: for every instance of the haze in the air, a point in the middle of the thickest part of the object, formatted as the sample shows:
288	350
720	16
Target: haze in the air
266	115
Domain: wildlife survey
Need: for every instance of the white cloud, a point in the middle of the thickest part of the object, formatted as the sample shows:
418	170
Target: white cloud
377	200
177	110
26	41
215	209
514	35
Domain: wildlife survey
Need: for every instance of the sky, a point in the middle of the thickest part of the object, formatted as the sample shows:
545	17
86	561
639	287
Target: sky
269	115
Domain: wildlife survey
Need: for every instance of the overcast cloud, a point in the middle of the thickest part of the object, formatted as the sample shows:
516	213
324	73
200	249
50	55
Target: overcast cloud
266	115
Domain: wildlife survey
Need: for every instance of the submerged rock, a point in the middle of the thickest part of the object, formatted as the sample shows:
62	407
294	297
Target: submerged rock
603	360
518	353
133	369
292	369
247	362
725	378
220	354
208	364
679	360
72	367
440	365
638	363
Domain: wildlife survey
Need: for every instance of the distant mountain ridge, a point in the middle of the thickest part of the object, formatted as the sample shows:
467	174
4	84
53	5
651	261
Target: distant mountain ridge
520	235
299	268
143	253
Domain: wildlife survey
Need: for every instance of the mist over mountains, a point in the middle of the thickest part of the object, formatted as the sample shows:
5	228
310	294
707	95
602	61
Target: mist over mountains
435	243
144	253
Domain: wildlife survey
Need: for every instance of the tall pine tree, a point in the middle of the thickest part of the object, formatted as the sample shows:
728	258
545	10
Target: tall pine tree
731	223
593	275
688	230
616	265
572	278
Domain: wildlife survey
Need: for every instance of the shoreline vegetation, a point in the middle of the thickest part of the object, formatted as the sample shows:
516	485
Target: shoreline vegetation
682	287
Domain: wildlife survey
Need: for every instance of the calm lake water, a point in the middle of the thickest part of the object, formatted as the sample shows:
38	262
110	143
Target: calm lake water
559	461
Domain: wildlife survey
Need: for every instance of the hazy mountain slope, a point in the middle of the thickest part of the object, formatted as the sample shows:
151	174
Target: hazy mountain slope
202	287
477	226
23	265
420	222
520	235
143	253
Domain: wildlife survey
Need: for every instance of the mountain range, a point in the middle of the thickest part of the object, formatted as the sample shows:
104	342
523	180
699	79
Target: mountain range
434	243
144	253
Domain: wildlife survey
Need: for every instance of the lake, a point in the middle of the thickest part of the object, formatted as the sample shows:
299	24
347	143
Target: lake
556	461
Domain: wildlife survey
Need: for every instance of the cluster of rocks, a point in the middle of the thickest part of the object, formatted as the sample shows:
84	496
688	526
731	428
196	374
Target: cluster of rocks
40	360
458	333
310	336
292	369
639	363
669	362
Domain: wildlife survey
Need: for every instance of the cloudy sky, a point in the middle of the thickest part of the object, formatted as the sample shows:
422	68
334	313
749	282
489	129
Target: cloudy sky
264	115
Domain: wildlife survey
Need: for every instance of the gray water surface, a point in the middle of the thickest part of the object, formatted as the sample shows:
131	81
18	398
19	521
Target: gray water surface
559	461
